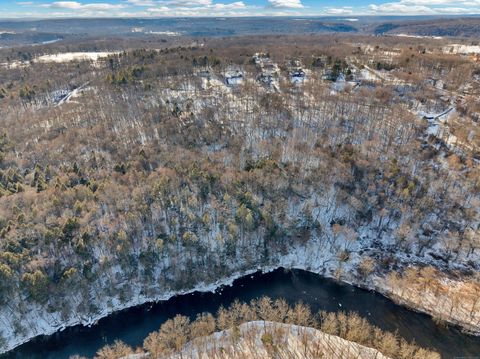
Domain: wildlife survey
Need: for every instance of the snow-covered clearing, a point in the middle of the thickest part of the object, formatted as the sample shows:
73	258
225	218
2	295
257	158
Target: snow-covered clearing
289	342
461	49
60	58
74	56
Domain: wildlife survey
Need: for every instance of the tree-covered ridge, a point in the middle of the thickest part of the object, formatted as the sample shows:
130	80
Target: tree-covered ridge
152	179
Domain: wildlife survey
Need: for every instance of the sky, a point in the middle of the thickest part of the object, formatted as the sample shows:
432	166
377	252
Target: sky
182	8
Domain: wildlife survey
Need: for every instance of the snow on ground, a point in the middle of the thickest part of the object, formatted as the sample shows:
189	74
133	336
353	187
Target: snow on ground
165	33
43	323
446	298
60	58
318	255
419	36
13	65
287	341
75	93
74	56
368	75
461	49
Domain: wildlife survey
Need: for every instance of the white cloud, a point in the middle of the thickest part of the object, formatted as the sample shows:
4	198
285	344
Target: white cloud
198	8
287	4
426	7
74	5
457	10
141	2
346	10
440	2
231	6
181	3
400	9
125	8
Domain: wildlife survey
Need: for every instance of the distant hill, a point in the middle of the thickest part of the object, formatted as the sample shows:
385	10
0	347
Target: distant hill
464	27
36	31
192	27
11	38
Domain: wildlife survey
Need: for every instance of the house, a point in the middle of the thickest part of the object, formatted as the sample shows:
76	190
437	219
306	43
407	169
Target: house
298	76
234	76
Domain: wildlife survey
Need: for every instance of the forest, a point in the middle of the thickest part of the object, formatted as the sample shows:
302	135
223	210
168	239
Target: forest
144	172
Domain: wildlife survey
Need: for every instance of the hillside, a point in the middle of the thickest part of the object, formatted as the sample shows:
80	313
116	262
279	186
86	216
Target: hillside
137	174
454	27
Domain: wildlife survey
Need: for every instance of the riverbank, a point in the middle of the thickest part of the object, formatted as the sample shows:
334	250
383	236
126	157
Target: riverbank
133	325
303	286
52	328
316	256
447	300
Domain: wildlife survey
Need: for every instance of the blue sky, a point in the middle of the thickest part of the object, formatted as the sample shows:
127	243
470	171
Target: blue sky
164	8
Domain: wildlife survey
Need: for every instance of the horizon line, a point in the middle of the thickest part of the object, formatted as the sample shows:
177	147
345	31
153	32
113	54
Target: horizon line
240	17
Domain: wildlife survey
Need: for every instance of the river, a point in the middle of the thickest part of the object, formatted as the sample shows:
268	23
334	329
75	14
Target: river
133	325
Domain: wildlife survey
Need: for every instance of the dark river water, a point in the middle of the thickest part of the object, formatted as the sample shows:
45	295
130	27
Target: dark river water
133	325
